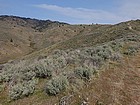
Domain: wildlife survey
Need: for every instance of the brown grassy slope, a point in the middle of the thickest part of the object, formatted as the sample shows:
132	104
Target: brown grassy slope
92	36
21	36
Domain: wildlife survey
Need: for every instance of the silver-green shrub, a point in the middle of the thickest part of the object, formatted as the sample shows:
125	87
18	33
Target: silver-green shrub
105	52
56	62
22	89
7	73
84	72
131	50
11	71
115	56
41	69
56	85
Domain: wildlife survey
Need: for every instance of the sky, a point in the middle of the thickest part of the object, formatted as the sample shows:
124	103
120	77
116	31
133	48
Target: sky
74	11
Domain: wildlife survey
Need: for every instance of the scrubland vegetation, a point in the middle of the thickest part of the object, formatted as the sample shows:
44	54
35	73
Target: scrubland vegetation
64	69
54	63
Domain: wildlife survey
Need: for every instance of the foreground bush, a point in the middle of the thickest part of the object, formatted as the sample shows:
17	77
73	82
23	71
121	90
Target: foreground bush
22	89
7	73
41	69
56	85
84	73
131	50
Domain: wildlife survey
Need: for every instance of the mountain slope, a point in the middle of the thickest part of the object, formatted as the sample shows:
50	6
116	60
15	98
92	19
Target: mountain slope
25	35
60	63
93	35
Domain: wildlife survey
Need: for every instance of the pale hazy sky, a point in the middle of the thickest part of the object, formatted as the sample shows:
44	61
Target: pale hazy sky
74	11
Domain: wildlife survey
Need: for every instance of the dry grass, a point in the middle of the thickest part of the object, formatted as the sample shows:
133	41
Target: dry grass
21	36
116	84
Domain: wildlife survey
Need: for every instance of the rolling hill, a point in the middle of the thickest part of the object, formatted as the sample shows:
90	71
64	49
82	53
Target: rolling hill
47	62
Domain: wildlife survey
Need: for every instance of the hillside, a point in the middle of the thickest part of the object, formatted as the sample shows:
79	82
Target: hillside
21	36
55	63
92	35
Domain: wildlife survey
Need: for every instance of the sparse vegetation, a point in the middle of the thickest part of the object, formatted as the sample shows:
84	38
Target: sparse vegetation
73	64
88	61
